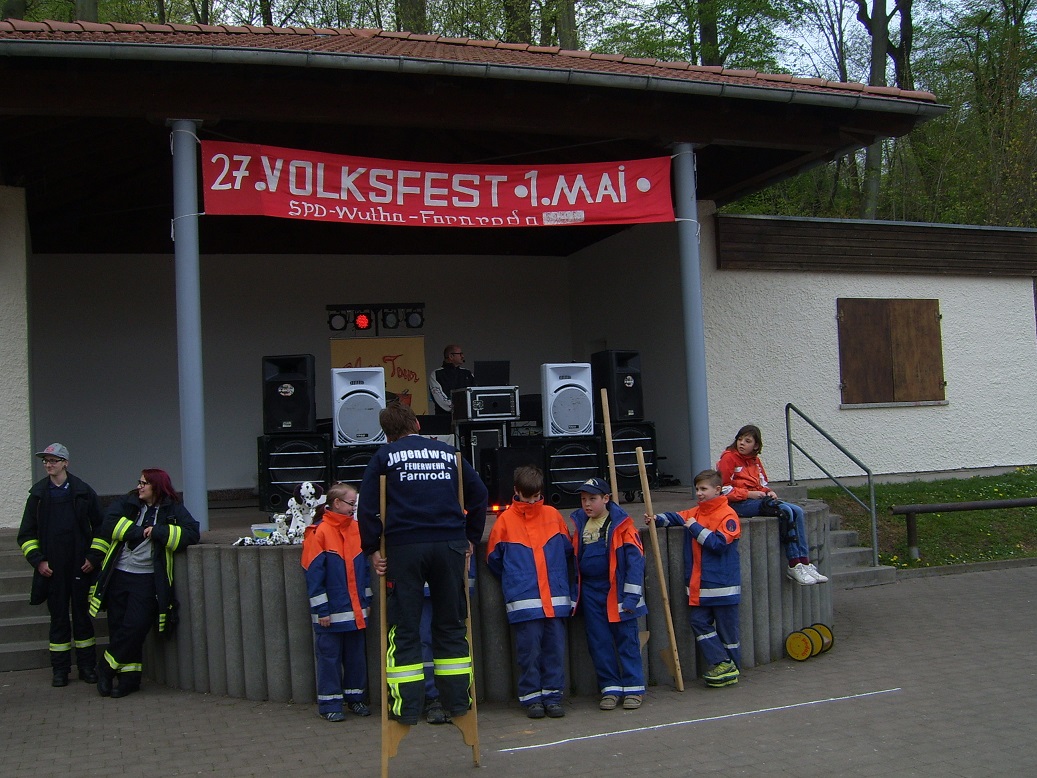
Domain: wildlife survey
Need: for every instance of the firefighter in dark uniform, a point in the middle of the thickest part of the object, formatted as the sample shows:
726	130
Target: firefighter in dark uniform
61	518
141	532
428	537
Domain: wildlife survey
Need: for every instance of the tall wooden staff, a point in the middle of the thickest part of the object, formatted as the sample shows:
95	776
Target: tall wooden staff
669	654
392	731
469	723
606	417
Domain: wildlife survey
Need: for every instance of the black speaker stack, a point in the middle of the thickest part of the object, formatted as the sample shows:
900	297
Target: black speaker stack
291	450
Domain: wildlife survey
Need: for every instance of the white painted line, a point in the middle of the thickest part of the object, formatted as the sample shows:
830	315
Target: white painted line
698	721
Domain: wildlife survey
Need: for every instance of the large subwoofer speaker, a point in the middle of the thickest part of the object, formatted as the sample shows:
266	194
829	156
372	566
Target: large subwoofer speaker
626	437
566	397
359	396
498	470
619	372
285	461
288	394
569	462
349	463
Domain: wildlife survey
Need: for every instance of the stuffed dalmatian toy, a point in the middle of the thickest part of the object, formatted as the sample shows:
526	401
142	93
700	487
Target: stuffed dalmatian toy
302	507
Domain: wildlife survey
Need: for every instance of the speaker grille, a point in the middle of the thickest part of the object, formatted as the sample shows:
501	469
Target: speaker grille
571	411
350	463
357	420
285	461
570	462
625	440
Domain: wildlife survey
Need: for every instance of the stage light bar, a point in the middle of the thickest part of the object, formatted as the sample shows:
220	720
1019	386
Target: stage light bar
365	317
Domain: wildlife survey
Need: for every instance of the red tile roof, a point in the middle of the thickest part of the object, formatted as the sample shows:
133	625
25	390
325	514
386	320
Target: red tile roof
405	45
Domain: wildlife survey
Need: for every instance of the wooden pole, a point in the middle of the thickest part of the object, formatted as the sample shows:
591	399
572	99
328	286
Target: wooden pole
469	723
392	731
669	654
606	417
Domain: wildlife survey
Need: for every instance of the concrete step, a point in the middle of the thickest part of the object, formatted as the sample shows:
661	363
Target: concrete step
863	576
850	557
11	560
16	606
33	655
37	628
17	582
835	520
843	538
791	493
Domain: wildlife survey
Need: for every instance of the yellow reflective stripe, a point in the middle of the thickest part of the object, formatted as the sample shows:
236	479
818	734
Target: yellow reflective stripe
60	646
459	666
169	565
175	534
399	674
100	544
85	643
133	668
29	546
122	526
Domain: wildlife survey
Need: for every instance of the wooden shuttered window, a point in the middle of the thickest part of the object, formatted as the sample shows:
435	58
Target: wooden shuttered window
890	351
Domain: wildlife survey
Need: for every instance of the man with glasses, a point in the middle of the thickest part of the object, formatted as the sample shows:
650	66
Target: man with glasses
449	377
61	519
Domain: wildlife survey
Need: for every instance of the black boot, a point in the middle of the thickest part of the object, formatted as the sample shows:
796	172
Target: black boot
104	680
126	686
88	674
60	678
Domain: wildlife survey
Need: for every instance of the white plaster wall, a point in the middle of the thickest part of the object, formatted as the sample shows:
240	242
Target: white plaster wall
15	443
773	339
105	382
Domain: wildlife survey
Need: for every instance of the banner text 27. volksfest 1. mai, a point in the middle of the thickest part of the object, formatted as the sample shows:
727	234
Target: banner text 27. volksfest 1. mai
248	179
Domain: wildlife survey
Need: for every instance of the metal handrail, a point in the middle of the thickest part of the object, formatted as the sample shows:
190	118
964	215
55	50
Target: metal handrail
912	511
789	407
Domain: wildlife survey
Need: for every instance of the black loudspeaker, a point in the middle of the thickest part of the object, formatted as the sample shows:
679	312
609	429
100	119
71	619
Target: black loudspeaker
285	461
289	404
620	373
626	437
348	463
569	462
499	470
474	440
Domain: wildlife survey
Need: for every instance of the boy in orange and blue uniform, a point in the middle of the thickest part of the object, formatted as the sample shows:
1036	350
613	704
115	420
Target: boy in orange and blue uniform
611	564
531	552
714	574
339	586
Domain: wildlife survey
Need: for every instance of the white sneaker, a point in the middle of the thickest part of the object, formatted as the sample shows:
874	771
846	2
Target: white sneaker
817	574
801	575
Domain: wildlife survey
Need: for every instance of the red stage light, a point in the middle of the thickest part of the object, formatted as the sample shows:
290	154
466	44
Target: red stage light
362	321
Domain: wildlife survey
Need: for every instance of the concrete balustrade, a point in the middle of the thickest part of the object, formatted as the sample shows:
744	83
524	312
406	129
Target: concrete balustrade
245	628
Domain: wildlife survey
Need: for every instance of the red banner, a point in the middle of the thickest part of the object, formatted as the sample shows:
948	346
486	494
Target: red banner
248	179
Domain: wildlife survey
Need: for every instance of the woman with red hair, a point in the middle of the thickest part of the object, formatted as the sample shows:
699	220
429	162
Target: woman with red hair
140	534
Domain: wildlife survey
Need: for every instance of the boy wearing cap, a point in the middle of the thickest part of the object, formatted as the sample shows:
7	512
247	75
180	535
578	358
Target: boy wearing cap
611	564
59	524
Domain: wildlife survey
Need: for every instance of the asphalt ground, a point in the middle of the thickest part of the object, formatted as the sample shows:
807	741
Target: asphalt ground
928	676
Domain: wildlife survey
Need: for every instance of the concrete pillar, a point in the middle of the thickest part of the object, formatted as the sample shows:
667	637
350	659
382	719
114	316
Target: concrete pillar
212	583
193	598
657	670
759	583
300	628
15	410
253	654
230	598
275	625
747	602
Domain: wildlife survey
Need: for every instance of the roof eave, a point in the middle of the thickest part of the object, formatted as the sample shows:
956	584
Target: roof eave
223	55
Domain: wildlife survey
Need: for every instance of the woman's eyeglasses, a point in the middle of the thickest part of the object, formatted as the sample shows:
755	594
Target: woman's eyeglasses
143	483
